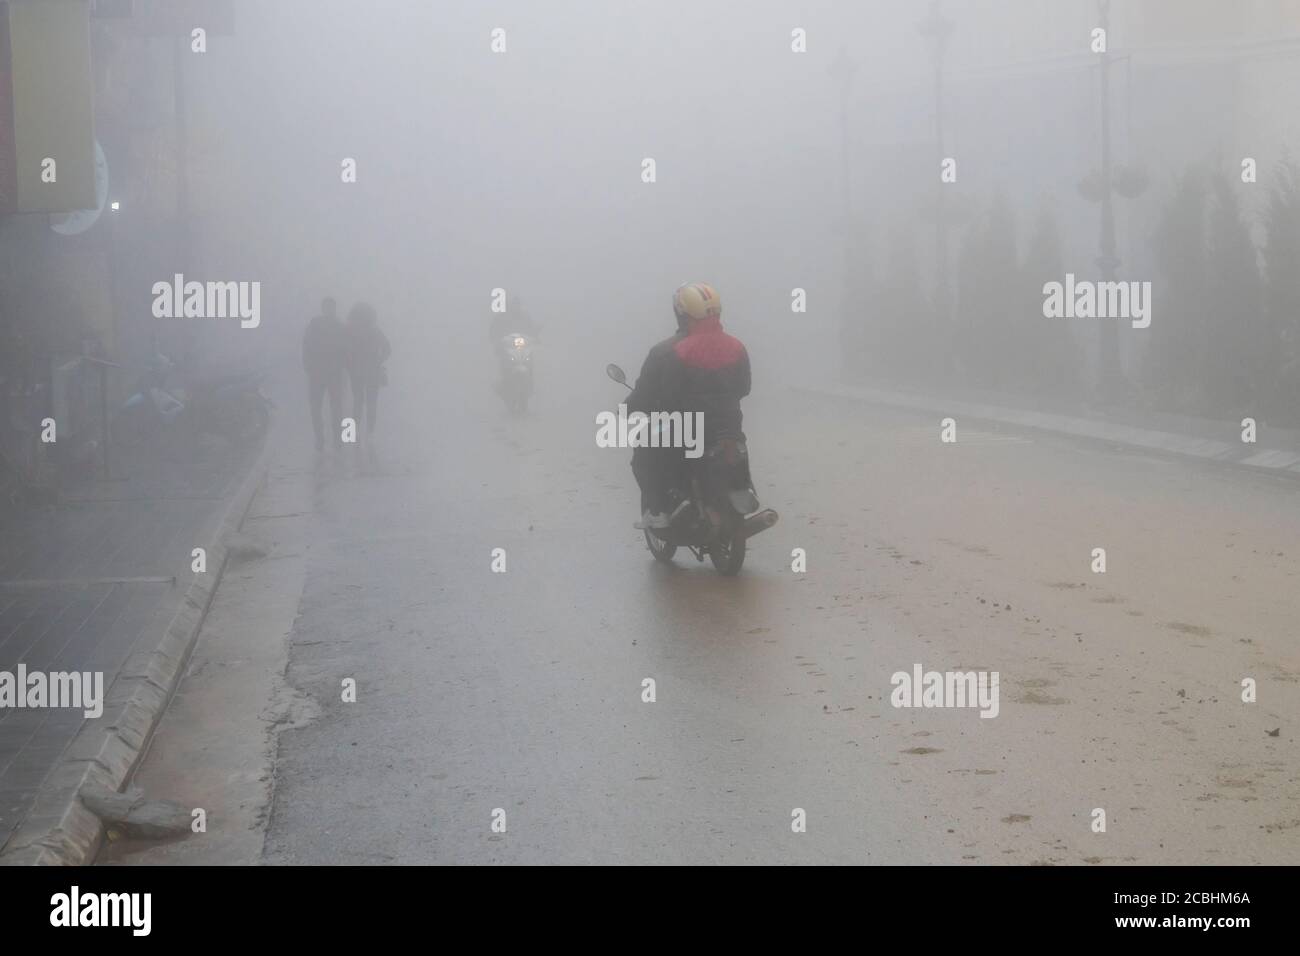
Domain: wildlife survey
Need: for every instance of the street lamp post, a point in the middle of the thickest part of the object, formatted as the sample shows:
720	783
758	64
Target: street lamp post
842	70
1100	186
937	28
1108	367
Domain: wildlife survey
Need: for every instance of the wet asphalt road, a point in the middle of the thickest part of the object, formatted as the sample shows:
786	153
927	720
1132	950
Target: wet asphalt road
522	691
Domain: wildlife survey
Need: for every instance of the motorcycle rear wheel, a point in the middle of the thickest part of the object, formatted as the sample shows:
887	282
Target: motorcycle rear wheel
728	552
661	549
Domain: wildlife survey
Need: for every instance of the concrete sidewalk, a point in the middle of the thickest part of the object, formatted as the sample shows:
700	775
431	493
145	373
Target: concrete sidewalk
101	583
1276	451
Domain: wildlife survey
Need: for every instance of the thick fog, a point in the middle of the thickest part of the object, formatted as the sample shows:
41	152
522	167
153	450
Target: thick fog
1011	291
522	169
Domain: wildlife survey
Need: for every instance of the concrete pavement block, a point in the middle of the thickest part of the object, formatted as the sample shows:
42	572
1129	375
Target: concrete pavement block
60	829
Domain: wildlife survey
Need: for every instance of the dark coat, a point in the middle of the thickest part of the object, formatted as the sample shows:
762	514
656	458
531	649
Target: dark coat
368	350
324	347
647	394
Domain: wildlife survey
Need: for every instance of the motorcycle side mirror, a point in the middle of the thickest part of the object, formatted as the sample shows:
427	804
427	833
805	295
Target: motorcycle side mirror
616	373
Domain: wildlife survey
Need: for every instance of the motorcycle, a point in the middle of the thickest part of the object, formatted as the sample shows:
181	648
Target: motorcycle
515	358
233	406
715	511
151	408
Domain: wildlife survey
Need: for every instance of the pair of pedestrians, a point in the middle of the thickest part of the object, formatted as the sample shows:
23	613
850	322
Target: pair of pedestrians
332	348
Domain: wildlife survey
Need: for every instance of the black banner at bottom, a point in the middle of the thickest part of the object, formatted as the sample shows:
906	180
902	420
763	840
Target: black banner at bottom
333	905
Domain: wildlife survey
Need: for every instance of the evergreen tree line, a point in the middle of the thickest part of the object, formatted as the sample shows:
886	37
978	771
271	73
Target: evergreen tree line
1224	340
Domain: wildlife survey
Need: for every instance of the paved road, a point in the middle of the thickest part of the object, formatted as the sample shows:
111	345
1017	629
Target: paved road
523	691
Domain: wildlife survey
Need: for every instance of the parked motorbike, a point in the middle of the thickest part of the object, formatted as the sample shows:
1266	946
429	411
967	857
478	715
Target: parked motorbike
151	408
515	359
714	510
233	406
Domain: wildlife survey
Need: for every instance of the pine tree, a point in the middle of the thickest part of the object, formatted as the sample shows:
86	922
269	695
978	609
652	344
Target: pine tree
1236	342
1052	359
1173	360
1282	292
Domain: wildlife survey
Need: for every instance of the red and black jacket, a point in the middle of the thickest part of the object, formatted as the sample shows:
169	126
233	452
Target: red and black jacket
708	372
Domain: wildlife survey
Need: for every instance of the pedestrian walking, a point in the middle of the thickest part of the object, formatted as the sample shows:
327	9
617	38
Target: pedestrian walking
367	351
324	348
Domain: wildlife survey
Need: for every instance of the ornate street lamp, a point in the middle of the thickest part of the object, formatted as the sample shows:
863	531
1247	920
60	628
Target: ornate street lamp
1099	186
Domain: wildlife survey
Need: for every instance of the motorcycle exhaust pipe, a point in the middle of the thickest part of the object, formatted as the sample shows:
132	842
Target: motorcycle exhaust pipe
760	522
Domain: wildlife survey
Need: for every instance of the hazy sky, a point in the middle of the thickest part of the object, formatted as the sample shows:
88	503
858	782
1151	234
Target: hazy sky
523	169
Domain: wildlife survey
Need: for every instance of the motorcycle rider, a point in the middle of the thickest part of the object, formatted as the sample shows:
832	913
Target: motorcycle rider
652	467
516	322
502	330
707	371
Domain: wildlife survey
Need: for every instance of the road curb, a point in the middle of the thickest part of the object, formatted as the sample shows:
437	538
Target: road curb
59	829
1239	454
